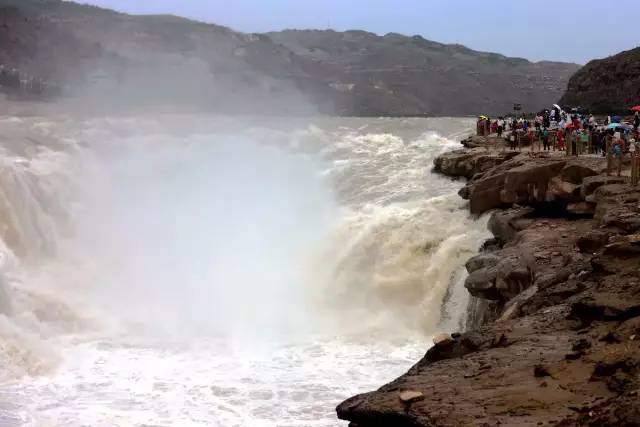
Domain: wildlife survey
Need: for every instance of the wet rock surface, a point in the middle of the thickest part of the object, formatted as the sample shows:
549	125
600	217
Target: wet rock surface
564	348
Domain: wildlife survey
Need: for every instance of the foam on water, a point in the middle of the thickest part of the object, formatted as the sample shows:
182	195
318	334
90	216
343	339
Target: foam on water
201	271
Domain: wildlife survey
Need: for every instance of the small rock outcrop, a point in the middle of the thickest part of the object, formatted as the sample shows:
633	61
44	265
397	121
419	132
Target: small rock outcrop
528	181
467	163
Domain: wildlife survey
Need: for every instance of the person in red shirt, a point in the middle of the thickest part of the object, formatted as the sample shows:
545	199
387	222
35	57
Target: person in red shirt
560	139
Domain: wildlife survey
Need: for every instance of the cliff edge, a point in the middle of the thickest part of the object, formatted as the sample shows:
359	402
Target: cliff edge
562	343
606	85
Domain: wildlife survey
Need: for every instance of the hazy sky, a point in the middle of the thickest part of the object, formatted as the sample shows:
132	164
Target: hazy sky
566	30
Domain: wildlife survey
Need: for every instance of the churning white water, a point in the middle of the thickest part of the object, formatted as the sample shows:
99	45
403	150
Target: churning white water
198	271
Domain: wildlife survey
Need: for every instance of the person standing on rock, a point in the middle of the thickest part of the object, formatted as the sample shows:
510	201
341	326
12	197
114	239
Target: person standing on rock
600	143
634	162
577	137
513	140
500	127
609	150
560	139
545	139
618	151
584	142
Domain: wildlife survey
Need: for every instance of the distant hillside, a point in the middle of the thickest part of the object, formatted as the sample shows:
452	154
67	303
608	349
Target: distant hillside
607	85
411	75
63	48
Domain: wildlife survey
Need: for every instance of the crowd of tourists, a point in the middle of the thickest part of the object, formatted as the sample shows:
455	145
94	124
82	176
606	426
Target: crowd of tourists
574	132
14	82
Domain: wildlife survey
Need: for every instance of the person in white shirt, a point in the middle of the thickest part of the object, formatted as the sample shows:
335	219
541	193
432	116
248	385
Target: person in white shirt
500	127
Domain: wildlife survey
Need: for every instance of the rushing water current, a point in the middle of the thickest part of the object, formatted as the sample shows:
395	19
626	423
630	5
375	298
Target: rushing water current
211	271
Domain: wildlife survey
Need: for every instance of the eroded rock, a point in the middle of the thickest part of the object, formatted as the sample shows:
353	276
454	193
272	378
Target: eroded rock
482	261
506	224
467	163
410	396
443	340
581	208
592	183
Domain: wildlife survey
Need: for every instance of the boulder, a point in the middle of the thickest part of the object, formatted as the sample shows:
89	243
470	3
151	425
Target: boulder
523	181
532	181
409	396
484	194
491	245
482	284
609	190
575	173
442	340
594	240
529	183
552	276
624	245
591	183
506	224
482	261
620	210
456	163
581	208
512	308
467	163
563	190
513	277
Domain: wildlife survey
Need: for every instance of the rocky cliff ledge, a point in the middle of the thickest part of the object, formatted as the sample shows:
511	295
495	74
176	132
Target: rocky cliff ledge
606	85
563	346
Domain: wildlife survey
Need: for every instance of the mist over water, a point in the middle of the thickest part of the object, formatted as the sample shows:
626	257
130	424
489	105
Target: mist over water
208	236
200	271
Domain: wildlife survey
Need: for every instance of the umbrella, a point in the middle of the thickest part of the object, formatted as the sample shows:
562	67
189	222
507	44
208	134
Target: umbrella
636	108
557	107
616	119
483	118
618	125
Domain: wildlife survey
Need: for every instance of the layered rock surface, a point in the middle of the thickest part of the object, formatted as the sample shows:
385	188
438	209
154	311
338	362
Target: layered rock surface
563	347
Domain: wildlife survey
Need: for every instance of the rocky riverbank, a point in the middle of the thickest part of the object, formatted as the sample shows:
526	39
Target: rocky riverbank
560	286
